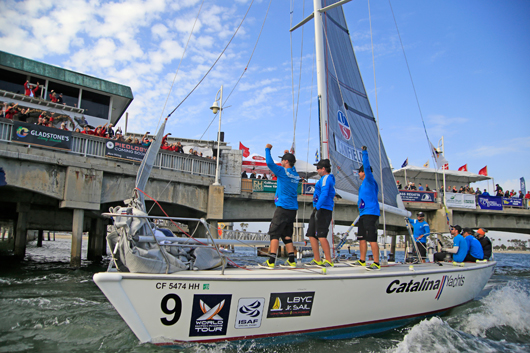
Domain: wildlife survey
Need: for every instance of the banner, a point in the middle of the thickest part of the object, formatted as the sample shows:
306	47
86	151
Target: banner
262	185
417	196
453	200
523	186
308	188
513	202
490	202
32	134
122	150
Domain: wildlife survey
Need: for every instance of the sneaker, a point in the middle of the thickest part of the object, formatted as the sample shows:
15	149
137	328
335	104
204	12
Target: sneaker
326	263
315	263
373	267
267	264
359	263
287	263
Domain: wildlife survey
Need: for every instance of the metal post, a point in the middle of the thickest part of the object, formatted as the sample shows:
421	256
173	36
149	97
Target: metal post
217	181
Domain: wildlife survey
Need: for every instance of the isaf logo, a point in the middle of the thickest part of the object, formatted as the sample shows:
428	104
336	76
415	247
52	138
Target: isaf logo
249	312
344	125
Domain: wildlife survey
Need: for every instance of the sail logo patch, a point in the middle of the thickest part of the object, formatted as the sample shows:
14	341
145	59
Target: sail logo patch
209	315
249	312
344	125
290	304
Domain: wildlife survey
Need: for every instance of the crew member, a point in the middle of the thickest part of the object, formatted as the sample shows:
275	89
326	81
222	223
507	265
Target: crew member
286	206
322	213
475	251
485	242
459	249
369	214
421	231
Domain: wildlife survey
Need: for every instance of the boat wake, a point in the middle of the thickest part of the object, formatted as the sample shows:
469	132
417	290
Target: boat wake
498	322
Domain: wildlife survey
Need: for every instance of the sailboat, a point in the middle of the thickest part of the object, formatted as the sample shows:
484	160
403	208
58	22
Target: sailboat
177	290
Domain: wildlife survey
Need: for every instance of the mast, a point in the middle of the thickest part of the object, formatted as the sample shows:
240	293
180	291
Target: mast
321	80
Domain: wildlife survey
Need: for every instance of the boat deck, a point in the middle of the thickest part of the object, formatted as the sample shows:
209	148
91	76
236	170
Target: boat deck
340	270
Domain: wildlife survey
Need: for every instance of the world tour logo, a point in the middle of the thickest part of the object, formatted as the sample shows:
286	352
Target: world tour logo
22	132
209	316
426	284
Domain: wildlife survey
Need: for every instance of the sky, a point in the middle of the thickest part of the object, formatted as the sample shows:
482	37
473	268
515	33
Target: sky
468	60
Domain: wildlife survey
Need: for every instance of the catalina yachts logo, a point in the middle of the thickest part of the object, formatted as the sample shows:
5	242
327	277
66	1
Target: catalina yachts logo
344	125
249	312
22	132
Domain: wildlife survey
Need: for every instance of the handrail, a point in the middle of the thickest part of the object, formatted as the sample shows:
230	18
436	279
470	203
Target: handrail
93	146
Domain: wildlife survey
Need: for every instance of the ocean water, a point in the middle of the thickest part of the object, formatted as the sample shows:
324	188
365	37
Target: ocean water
48	307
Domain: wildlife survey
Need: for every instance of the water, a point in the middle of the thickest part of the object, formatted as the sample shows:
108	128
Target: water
48	307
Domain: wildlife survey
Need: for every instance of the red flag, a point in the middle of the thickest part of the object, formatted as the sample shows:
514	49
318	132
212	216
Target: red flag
445	166
463	168
245	150
483	171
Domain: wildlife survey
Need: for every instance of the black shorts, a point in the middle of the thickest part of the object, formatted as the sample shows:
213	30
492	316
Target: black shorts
282	223
422	248
319	223
367	228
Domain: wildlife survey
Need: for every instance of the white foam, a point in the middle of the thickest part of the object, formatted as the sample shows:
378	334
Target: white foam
434	335
508	305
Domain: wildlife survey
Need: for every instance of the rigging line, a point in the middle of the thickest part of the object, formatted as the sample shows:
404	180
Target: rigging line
245	70
180	63
410	75
377	124
215	63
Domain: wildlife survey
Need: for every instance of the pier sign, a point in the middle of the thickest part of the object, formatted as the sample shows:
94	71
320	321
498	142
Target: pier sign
122	150
32	134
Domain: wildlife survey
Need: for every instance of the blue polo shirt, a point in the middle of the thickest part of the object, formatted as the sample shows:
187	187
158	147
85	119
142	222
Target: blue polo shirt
460	241
475	248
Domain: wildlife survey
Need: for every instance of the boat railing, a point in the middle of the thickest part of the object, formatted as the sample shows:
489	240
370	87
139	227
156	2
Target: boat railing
243	235
93	146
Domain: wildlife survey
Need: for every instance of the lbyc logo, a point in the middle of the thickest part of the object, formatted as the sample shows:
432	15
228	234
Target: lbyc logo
22	132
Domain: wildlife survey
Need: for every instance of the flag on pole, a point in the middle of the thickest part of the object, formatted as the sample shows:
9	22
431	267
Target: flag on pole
441	162
426	165
523	186
406	163
316	156
483	171
245	150
292	149
463	168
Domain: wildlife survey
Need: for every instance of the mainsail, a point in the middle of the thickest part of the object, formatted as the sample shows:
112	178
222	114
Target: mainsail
345	108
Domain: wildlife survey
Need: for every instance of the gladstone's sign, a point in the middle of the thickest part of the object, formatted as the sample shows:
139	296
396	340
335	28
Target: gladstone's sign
32	134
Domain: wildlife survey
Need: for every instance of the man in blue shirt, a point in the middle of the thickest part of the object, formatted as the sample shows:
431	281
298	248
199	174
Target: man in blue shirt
322	213
421	231
459	249
369	214
286	206
475	251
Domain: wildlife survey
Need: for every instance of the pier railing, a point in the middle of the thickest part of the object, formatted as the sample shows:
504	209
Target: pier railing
92	146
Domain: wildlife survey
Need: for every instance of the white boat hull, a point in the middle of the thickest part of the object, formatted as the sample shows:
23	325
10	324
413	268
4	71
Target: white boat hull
260	303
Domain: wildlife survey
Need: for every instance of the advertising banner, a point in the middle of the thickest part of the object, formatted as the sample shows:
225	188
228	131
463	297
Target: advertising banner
417	196
514	202
122	150
308	189
262	185
490	202
453	200
31	134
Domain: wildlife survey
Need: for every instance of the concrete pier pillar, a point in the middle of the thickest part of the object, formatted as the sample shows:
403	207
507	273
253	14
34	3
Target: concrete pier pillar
77	238
22	230
40	237
96	238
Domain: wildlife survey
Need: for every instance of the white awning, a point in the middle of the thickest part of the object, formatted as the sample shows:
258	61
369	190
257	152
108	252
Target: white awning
429	176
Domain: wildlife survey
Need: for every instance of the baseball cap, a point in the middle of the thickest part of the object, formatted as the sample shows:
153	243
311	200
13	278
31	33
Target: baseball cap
288	157
421	214
457	227
323	163
481	231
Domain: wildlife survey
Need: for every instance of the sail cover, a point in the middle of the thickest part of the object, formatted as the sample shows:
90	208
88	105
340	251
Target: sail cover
351	122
